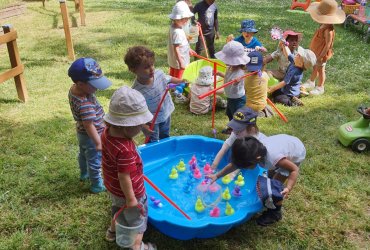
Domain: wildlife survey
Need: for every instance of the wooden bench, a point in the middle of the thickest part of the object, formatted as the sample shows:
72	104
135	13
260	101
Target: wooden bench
353	19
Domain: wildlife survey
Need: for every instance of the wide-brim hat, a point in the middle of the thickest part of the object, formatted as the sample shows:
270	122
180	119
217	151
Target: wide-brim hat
326	12
248	26
243	117
269	191
205	77
256	61
128	108
233	54
180	10
308	56
292	33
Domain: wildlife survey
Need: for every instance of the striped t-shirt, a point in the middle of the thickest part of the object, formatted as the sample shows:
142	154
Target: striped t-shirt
120	156
153	94
86	109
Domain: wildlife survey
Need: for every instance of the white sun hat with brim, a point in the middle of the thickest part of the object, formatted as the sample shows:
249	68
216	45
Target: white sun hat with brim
128	108
326	12
205	77
233	54
308	56
180	10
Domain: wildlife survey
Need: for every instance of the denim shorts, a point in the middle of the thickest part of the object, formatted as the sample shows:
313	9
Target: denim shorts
118	202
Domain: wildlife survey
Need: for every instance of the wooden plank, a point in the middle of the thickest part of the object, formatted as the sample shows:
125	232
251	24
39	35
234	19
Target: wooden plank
11	73
13	10
67	32
8	37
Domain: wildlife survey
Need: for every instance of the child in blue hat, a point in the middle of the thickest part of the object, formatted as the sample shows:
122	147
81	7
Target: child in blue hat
247	38
87	77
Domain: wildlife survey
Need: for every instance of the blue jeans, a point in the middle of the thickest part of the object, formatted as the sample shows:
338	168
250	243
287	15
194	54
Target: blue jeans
233	104
161	130
89	159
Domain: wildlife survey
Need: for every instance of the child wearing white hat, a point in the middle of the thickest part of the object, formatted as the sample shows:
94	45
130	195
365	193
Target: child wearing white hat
178	47
202	85
234	56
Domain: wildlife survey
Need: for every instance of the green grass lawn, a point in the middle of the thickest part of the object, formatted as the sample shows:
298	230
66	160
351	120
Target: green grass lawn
44	206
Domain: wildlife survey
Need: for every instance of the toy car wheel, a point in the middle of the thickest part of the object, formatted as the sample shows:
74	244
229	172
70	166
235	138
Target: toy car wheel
360	145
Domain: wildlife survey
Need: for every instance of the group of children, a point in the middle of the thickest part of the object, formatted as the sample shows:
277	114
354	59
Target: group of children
107	139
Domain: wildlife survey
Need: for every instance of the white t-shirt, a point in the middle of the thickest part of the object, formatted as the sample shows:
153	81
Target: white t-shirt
283	146
230	141
235	90
177	36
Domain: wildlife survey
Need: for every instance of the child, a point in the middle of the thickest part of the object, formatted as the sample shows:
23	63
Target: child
323	40
293	38
203	84
235	58
122	165
152	84
88	114
247	38
281	154
244	123
256	86
178	47
207	17
287	91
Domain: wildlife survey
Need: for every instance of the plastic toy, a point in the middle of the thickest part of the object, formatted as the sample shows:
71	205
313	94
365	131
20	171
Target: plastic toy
181	166
226	194
226	179
156	202
215	212
240	180
199	207
356	133
173	175
229	209
207	169
197	174
236	192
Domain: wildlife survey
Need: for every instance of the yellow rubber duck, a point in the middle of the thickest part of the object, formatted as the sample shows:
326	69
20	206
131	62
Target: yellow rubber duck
240	181
226	194
181	166
173	175
229	209
199	207
226	179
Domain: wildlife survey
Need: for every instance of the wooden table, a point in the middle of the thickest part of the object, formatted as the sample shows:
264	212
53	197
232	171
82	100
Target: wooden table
353	19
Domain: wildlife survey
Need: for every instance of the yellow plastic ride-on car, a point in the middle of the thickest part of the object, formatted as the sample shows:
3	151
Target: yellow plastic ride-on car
357	133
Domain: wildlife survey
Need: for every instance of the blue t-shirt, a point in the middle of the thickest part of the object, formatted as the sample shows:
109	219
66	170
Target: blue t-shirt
293	78
252	45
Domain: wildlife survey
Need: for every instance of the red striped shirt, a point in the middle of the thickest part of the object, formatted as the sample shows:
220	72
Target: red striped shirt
120	156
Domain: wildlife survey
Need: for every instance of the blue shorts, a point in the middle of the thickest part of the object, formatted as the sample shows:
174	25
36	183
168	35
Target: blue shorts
233	104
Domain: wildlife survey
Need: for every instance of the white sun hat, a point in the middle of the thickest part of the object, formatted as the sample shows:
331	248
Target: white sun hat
128	108
233	54
309	58
180	10
205	76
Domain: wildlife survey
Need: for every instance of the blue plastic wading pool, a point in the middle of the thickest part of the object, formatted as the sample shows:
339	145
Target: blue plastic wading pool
161	157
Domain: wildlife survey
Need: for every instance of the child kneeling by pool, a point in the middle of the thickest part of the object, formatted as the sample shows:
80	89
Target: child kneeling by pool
281	155
122	165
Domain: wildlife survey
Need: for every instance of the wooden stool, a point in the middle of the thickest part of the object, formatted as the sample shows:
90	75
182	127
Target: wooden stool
303	5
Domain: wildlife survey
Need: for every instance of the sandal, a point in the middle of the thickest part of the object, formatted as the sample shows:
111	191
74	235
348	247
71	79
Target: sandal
110	236
148	246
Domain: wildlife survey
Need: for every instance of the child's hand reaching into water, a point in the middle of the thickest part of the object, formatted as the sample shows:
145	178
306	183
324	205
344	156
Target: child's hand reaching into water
212	177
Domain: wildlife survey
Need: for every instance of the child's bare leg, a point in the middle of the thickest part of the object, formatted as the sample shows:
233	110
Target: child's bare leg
314	73
322	75
138	241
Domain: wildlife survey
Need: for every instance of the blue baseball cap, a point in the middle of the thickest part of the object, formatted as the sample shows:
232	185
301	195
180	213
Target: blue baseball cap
88	70
256	62
248	26
243	117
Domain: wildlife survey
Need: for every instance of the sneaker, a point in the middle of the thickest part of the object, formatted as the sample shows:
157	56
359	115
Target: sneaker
84	177
303	91
227	131
296	101
110	236
98	188
317	91
309	84
269	217
181	99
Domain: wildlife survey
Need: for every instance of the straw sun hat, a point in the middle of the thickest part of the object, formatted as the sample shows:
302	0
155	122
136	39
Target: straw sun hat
326	12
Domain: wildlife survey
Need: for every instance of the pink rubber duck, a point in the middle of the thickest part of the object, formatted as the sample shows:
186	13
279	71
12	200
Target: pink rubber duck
207	169
197	174
215	212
